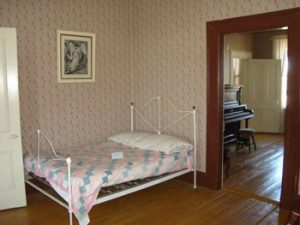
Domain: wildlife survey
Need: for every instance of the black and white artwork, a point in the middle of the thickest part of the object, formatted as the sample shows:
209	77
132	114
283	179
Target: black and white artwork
76	57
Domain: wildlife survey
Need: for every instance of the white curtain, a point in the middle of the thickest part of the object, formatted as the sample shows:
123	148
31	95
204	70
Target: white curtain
280	46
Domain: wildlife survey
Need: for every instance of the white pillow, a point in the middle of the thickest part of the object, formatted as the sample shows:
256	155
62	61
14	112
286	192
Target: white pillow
128	138
162	142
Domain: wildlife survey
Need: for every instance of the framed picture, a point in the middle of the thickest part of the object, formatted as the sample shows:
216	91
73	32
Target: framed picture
75	56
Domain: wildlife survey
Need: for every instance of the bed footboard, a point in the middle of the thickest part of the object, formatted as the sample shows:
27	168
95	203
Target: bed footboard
68	161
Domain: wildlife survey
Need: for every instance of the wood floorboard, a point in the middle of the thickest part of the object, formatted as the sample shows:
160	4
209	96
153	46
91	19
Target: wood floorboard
275	217
258	172
171	203
177	203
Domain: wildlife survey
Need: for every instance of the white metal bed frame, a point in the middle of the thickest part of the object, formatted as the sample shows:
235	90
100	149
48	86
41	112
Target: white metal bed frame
158	130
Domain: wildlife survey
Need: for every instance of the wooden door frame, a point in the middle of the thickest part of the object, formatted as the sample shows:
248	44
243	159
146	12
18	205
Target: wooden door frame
215	38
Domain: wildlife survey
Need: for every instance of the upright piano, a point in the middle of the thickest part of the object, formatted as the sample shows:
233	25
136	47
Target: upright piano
234	113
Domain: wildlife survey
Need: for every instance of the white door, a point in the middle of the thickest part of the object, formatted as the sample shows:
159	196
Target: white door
261	80
12	187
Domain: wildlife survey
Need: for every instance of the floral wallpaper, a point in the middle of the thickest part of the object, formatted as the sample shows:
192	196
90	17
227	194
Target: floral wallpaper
74	113
169	51
144	48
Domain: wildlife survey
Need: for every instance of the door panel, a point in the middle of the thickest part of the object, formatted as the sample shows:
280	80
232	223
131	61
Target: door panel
3	90
6	174
12	187
261	79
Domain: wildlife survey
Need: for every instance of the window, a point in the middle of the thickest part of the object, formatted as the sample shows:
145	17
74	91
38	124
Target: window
280	46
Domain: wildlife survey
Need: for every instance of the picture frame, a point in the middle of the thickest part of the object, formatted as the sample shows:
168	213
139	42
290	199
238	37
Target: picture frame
75	56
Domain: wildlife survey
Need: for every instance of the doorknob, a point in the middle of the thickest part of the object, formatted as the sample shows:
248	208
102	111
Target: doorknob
14	136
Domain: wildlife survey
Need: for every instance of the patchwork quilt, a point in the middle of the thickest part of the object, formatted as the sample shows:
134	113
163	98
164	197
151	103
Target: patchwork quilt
92	167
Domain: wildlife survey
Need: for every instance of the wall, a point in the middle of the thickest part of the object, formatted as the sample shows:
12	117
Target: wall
236	46
263	44
71	114
169	49
153	47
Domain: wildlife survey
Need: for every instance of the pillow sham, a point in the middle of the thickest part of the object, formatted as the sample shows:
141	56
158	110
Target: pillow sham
129	138
162	142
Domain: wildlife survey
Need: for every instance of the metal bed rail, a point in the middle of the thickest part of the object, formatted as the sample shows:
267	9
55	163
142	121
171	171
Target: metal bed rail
68	161
159	130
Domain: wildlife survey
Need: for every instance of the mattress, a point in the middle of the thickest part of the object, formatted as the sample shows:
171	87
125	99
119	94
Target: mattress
92	167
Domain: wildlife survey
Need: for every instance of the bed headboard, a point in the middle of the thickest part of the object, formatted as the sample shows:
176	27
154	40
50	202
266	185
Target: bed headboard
157	127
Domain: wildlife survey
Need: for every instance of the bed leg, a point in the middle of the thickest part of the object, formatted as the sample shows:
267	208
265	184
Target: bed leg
195	179
70	218
68	160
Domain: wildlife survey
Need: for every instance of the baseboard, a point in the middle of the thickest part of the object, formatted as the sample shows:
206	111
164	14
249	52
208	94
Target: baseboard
31	190
202	179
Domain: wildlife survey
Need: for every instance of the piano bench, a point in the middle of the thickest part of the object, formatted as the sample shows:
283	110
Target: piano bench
245	136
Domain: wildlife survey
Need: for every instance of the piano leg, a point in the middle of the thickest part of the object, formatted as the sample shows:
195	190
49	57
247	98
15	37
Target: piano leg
246	123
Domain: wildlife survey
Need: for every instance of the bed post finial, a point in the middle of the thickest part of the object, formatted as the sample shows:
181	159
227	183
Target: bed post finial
68	160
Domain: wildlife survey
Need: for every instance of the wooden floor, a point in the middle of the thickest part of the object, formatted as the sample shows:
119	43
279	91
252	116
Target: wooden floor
258	172
171	203
177	203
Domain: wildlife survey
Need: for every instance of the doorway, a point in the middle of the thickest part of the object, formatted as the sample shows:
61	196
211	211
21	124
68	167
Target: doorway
256	64
216	30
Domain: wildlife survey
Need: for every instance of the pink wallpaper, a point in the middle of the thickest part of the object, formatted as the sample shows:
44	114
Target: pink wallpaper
143	48
169	50
71	114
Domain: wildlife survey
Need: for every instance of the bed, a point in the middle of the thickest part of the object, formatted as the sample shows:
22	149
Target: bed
126	163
